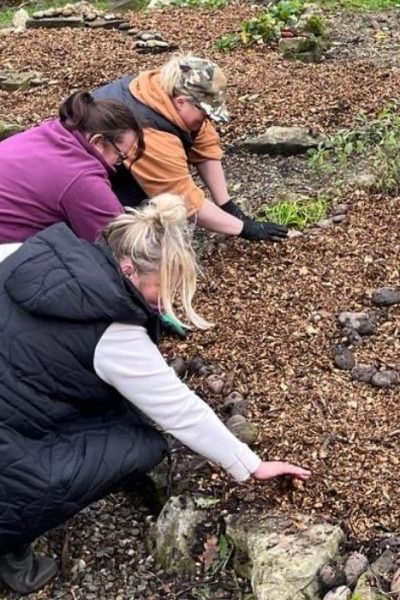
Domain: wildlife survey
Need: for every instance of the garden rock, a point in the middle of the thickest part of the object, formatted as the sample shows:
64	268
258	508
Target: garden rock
215	383
246	432
282	140
363	373
22	80
235	404
7	129
331	576
359	321
340	593
307	49
20	19
281	554
179	366
354	567
366	589
395	585
340	209
173	535
324	223
338	219
386	296
385	379
384	564
343	358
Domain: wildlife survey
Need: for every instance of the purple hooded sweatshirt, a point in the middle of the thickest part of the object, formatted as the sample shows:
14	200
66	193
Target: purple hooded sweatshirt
49	174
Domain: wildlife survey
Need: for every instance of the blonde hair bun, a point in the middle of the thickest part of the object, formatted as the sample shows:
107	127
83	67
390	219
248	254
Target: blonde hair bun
167	209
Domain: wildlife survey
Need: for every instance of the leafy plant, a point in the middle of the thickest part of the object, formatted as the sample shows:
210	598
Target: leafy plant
298	213
376	141
226	42
315	24
286	9
259	29
206	501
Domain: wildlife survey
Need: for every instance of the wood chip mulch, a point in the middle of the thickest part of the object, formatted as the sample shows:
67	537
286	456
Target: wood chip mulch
275	309
274	306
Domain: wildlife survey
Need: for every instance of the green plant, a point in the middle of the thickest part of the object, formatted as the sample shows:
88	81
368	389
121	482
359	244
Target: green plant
315	24
299	212
286	9
259	29
226	42
376	141
225	551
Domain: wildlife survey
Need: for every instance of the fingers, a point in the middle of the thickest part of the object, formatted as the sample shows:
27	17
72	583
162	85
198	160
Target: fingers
300	473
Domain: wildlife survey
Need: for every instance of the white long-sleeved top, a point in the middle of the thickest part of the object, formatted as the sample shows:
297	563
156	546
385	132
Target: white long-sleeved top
126	358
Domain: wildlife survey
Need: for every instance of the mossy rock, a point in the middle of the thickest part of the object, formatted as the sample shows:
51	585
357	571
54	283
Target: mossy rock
8	129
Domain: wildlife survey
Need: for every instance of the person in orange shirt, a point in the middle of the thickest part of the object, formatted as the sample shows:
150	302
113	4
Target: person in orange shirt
175	106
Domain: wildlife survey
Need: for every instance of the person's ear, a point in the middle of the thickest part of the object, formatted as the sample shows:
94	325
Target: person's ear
95	139
127	269
179	102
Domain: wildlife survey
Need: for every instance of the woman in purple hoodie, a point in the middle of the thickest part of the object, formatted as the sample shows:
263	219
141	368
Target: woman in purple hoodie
59	170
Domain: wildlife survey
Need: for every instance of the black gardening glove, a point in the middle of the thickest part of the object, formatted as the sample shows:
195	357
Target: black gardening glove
263	230
232	209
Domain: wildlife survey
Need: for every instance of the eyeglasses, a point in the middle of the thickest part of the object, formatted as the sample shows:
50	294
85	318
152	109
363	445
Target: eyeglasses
122	157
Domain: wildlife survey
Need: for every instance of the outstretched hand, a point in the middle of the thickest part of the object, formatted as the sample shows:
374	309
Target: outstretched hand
268	470
263	230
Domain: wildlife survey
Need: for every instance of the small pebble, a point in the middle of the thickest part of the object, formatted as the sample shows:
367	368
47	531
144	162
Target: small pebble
215	383
343	358
354	567
386	296
340	209
363	373
338	219
340	593
385	379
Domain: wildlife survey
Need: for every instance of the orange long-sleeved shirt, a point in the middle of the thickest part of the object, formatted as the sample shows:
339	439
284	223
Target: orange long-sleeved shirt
164	166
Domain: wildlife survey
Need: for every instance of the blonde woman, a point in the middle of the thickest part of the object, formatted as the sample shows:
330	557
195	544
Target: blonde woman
176	106
80	367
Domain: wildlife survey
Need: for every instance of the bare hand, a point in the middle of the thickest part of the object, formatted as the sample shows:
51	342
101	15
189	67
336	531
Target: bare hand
268	470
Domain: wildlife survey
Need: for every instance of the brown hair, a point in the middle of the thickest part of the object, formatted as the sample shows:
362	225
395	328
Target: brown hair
110	118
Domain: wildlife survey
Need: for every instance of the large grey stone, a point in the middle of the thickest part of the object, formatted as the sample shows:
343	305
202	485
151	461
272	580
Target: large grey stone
281	554
282	140
22	80
367	587
173	535
20	19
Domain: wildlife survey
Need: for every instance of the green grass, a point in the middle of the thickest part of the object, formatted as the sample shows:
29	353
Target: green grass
359	4
299	212
6	14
